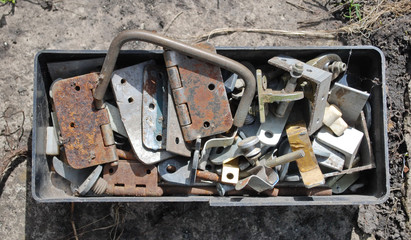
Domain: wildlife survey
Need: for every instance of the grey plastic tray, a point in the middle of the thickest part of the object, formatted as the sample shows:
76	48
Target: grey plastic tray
366	62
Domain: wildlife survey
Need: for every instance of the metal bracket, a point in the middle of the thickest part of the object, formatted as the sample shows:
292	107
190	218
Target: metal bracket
349	100
82	180
262	178
266	95
348	143
219	155
177	171
320	81
128	88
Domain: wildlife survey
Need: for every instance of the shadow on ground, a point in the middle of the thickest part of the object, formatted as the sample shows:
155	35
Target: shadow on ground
185	221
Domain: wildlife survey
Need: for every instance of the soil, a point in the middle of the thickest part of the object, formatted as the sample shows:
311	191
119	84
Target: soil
45	24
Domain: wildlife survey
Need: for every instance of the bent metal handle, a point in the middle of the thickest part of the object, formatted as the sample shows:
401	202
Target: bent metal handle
186	49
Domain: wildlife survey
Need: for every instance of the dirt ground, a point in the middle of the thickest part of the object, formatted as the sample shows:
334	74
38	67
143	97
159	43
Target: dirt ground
36	25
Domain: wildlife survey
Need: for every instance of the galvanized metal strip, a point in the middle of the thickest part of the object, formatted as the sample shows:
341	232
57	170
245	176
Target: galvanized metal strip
127	86
154	110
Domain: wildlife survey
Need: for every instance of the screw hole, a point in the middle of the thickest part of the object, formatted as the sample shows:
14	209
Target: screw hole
211	87
177	140
148	171
123	81
206	124
110	170
77	88
318	120
230	175
151	106
73	125
159	138
283	59
269	134
171	169
130	100
309	70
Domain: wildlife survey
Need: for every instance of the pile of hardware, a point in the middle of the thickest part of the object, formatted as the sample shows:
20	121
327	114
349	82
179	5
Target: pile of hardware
199	123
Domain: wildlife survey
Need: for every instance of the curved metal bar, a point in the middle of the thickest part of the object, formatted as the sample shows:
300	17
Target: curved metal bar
203	55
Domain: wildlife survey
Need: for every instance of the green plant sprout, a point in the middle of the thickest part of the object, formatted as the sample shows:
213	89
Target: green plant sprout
10	1
353	8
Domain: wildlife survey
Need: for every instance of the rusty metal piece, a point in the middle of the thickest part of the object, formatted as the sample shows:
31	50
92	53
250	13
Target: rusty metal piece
132	179
126	155
320	81
82	127
307	165
194	52
181	190
200	96
366	151
175	142
154	109
209	176
269	96
351	170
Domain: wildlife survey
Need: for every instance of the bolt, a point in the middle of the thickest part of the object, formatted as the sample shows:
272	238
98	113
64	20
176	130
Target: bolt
337	67
222	189
289	157
250	149
297	70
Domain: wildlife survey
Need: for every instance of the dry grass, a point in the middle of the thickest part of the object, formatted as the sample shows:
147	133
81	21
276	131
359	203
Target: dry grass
369	22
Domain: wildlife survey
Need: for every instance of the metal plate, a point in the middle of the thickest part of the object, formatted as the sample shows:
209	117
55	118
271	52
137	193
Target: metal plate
307	165
177	171
131	178
154	108
349	100
80	122
128	87
271	130
200	96
321	85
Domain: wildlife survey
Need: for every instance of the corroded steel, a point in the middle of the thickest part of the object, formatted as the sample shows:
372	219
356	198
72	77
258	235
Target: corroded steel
200	96
80	122
132	179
